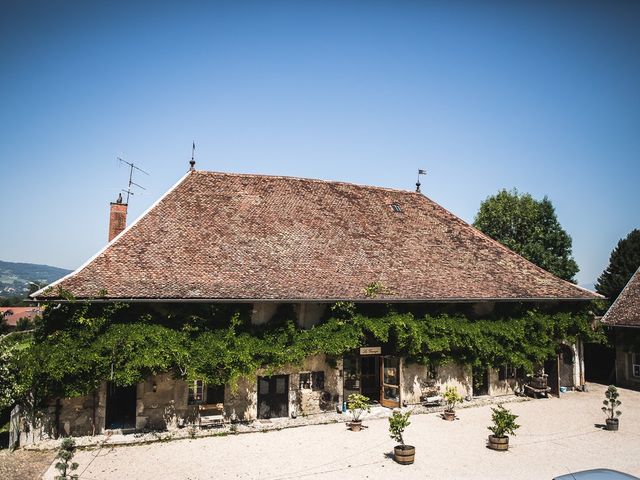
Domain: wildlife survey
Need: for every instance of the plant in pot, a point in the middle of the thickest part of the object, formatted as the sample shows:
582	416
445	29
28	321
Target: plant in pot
611	403
504	422
357	405
451	398
403	454
65	466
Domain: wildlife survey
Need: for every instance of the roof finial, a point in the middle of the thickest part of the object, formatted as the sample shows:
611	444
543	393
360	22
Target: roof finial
420	172
193	154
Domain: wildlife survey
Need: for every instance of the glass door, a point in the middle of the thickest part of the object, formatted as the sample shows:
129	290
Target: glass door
390	380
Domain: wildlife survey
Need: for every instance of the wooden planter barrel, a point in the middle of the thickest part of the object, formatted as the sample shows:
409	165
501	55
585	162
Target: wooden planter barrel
498	443
612	424
355	426
404	454
449	415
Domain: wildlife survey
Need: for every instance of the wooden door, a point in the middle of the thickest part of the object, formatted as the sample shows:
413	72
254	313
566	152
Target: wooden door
390	381
121	407
273	396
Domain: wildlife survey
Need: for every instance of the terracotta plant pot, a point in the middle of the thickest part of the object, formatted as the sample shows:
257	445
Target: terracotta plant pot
404	454
612	424
498	443
449	415
356	425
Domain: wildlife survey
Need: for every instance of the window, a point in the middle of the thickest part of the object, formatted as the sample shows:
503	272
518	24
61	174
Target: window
635	360
305	380
396	208
507	372
200	393
215	394
196	392
317	381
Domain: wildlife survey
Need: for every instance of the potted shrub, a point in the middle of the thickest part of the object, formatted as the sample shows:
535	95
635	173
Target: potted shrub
451	398
357	405
611	403
65	454
504	422
403	454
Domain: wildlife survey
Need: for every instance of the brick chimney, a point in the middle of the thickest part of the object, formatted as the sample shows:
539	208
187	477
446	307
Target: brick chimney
117	217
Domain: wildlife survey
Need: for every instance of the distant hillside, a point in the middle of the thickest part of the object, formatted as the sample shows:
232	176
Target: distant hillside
15	277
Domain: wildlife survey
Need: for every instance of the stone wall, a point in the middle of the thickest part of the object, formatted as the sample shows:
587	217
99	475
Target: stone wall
624	369
414	378
242	402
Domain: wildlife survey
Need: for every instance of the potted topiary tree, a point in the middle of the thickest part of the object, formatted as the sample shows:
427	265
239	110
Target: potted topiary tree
451	398
357	405
65	454
611	403
403	454
503	422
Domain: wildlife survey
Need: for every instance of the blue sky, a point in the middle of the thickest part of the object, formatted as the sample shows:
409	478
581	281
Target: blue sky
541	96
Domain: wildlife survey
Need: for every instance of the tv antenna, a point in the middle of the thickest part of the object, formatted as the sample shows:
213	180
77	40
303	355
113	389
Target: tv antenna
420	172
131	182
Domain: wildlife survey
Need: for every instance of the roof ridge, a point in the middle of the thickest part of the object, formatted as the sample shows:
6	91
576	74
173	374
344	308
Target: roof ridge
305	179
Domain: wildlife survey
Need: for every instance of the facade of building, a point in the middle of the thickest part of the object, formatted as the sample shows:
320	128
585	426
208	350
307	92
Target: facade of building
271	242
624	317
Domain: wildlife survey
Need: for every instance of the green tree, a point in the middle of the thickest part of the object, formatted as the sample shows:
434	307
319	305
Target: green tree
623	262
528	227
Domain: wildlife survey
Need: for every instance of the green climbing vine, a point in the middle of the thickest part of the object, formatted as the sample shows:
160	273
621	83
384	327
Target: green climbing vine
78	345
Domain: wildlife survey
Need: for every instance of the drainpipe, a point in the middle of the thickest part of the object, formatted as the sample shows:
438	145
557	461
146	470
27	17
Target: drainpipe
93	413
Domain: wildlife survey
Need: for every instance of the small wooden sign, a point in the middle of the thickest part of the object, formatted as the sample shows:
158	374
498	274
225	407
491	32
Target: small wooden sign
370	350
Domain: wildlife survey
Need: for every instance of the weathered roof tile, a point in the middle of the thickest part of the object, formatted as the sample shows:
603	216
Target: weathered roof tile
625	311
233	236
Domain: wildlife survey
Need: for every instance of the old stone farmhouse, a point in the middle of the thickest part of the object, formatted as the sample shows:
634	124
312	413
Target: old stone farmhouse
269	241
624	317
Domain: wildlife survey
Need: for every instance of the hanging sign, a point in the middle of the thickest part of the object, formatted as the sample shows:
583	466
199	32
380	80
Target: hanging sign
370	350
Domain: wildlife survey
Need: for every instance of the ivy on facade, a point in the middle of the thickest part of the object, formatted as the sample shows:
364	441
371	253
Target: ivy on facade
76	346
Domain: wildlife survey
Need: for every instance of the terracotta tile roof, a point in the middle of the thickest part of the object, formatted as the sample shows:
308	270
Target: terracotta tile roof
625	311
236	236
16	313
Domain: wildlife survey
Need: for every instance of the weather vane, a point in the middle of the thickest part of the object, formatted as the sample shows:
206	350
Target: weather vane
420	172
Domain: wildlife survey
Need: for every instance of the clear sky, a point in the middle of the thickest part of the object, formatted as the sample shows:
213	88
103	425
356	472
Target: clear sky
542	96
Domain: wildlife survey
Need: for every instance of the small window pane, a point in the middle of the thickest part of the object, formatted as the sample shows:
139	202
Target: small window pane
195	392
280	385
305	380
263	386
391	369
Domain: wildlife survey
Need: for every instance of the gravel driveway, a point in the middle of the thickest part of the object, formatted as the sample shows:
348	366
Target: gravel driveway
557	436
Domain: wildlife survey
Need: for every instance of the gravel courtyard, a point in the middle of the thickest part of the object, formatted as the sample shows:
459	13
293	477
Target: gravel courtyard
557	436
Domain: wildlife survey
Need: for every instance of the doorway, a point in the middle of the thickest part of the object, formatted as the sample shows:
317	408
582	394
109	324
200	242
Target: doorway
121	407
374	376
480	378
370	377
600	363
390	391
273	396
552	369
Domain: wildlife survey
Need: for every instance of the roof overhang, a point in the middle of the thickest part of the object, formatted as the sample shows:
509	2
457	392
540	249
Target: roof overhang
310	300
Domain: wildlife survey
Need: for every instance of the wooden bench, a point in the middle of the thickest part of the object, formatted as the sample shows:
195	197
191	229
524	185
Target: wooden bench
211	414
536	392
